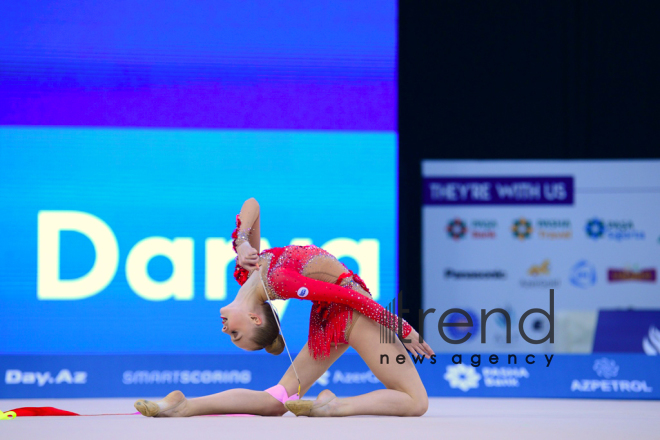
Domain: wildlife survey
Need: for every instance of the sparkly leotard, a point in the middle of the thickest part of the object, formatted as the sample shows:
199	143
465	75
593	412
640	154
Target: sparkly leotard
311	273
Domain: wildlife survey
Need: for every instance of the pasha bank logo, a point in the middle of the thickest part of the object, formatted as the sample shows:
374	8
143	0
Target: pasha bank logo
219	254
458	229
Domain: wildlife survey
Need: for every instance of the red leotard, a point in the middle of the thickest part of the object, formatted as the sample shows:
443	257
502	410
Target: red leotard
333	304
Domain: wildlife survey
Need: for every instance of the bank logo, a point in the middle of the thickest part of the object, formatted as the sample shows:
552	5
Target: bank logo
606	368
456	229
477	229
538	275
463	377
651	343
522	228
595	228
617	230
583	274
554	229
504	376
643	275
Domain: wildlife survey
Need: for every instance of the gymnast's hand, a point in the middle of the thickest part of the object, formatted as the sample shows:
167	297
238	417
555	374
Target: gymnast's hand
415	347
247	256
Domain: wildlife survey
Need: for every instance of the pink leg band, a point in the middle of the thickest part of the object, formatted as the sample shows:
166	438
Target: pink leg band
279	392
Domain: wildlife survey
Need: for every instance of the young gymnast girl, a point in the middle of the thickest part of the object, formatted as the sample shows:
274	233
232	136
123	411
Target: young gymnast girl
343	314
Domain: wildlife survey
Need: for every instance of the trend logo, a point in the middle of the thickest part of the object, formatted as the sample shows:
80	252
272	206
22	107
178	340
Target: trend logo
606	368
583	274
522	228
457	228
463	377
651	343
595	228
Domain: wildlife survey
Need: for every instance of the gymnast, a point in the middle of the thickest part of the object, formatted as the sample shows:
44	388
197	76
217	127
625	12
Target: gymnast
343	314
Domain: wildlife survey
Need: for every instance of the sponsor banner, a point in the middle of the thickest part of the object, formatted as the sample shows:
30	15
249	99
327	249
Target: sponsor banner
546	190
618	230
606	376
628	332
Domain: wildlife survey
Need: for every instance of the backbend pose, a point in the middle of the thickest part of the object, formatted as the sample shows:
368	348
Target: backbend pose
343	314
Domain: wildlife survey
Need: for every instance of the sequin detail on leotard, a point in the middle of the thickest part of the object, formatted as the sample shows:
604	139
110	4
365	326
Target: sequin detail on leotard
333	304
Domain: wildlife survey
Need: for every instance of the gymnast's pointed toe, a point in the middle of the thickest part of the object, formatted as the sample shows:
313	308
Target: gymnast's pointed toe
147	408
299	407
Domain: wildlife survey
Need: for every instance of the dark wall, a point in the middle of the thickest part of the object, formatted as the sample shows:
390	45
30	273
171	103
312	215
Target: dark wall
511	79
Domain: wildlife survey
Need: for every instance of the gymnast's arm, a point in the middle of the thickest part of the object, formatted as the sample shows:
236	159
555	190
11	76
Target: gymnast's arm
247	236
288	283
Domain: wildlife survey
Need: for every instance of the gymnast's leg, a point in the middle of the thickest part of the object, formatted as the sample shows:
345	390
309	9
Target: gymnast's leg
243	401
404	395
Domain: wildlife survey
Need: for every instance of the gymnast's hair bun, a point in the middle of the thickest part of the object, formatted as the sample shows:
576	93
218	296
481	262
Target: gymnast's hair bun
277	346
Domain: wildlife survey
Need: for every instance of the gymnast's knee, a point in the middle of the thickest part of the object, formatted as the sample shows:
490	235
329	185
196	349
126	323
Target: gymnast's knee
419	405
275	409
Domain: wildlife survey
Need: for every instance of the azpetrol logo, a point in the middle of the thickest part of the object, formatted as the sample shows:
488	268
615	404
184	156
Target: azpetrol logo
618	230
538	276
607	369
478	229
632	274
583	274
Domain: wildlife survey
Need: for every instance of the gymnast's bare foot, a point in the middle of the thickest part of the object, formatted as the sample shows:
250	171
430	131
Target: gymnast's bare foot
174	404
325	405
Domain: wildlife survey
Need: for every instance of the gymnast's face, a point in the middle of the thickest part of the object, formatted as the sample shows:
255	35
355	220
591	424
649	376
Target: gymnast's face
240	325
